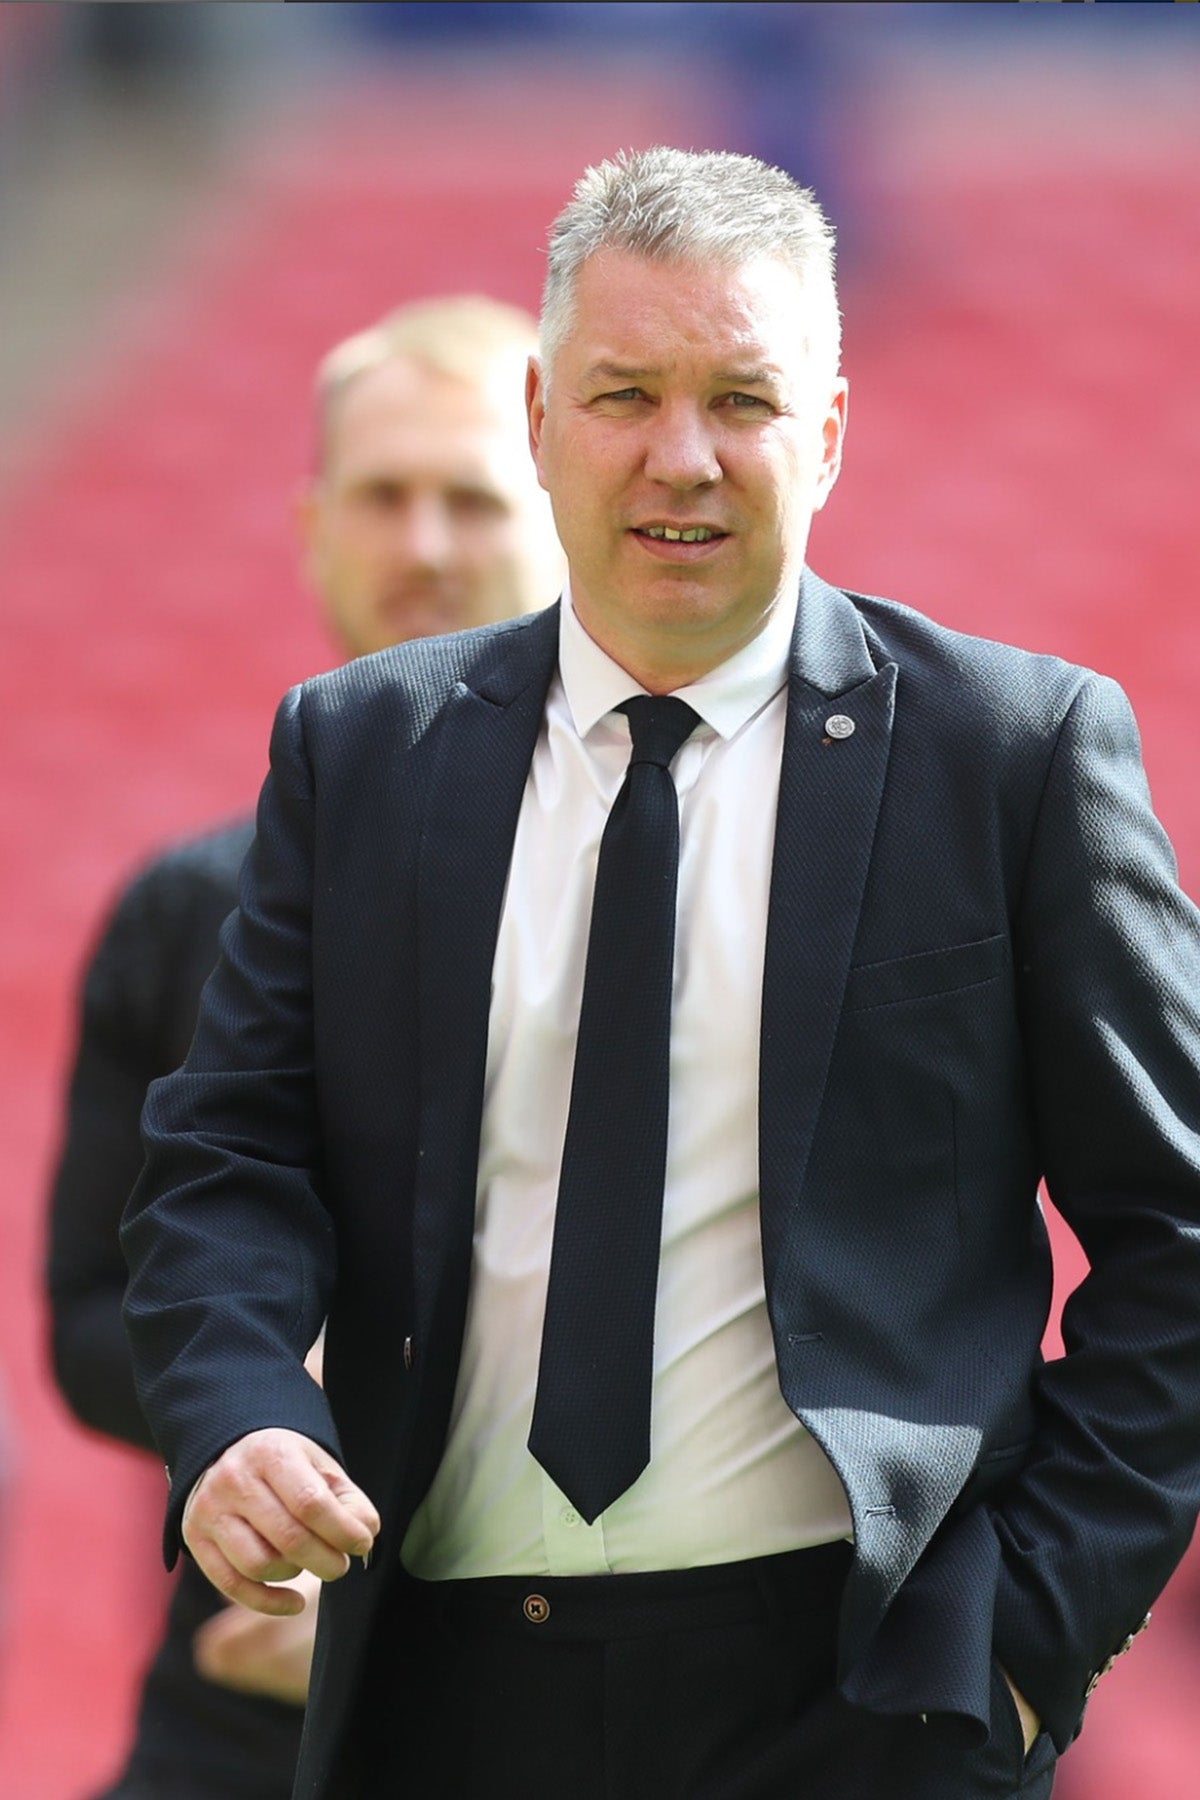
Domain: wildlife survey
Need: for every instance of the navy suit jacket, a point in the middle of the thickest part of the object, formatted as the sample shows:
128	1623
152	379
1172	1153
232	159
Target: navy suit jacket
979	972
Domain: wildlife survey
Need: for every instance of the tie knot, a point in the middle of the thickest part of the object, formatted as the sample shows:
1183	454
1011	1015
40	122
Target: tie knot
658	725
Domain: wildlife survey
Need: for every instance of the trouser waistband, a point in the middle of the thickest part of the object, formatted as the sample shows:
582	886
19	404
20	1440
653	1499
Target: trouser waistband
611	1606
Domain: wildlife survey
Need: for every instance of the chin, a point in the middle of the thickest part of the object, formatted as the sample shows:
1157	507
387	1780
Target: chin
416	622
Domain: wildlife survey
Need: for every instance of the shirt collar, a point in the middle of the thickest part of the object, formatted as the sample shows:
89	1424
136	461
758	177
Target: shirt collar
726	698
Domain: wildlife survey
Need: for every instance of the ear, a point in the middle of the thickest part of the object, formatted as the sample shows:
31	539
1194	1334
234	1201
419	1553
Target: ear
833	435
535	408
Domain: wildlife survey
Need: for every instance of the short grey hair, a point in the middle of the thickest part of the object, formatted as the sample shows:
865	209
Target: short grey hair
692	206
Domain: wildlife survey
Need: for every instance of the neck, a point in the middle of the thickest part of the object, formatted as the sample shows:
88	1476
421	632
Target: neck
664	668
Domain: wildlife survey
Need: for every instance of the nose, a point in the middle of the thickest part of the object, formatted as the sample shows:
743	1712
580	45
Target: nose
682	452
423	535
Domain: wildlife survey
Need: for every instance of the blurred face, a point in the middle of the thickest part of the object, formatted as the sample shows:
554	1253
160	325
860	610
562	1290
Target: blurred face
686	440
426	517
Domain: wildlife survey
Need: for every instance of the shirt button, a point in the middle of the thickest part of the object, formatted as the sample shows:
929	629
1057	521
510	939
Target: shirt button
536	1609
569	1516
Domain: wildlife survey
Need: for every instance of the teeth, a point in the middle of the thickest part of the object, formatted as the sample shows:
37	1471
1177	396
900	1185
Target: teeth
696	534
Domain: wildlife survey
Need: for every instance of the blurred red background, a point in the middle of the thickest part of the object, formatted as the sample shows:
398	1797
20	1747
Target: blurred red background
1021	270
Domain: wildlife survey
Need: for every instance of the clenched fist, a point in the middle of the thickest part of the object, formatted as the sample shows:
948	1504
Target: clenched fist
272	1504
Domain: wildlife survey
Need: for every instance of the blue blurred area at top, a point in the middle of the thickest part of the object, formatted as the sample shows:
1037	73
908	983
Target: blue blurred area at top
394	21
807	87
776	73
798	85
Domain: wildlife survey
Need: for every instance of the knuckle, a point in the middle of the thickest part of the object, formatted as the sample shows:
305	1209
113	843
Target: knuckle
227	1528
292	1536
272	1459
226	1581
240	1481
261	1564
308	1498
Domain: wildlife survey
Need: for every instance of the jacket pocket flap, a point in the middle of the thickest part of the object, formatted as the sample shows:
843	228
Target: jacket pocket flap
927	973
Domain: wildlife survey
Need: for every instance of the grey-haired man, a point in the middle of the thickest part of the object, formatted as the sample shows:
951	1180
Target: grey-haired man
682	1366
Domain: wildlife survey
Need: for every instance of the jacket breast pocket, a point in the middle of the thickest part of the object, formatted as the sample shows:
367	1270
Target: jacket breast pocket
926	974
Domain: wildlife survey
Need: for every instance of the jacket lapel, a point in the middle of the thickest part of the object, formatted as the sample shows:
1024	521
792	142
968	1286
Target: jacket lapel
829	794
487	735
835	759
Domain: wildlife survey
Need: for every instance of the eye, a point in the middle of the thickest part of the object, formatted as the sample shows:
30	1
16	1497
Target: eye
623	395
379	494
476	503
748	403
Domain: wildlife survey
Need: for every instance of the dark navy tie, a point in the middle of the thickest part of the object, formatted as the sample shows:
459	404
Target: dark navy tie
591	1417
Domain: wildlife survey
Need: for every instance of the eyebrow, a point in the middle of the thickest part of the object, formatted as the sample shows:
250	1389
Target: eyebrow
611	371
766	376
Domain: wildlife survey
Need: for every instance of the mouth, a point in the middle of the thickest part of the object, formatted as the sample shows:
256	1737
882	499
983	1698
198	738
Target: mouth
687	543
682	534
417	594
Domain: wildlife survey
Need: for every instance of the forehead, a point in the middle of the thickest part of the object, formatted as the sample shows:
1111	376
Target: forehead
413	418
639	313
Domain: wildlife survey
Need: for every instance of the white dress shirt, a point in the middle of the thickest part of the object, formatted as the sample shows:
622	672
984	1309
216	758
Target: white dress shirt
732	1473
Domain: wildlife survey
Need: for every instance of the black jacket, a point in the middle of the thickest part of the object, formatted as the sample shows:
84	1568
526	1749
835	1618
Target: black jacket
979	971
194	1740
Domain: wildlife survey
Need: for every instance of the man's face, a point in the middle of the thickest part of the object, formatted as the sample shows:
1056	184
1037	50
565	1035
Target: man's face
684	399
425	517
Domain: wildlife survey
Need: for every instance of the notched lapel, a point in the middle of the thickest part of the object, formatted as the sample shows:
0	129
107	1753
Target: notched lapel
486	739
829	796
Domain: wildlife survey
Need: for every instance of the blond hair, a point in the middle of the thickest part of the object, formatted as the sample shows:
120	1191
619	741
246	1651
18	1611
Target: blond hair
465	337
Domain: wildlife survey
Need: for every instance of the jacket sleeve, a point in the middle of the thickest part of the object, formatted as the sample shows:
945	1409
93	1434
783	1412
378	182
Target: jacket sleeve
1109	960
119	1052
230	1248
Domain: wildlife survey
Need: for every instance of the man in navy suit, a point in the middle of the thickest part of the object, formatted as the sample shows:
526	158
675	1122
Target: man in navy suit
928	947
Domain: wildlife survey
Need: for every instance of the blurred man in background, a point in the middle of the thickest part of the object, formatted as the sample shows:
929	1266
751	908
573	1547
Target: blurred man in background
424	516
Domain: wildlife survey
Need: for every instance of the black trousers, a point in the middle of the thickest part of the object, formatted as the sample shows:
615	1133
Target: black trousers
701	1684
